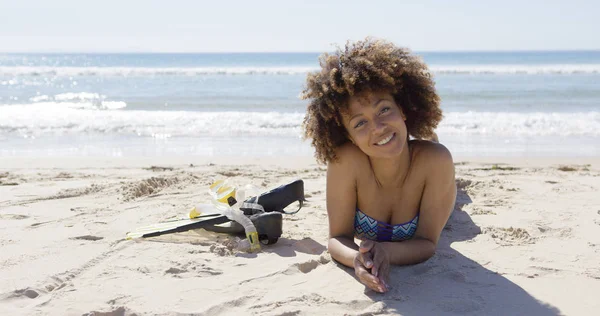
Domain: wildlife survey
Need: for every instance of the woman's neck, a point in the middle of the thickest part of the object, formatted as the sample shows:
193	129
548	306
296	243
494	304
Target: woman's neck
391	172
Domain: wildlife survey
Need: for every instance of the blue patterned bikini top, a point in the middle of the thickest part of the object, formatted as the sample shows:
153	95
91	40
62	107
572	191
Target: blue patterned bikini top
366	227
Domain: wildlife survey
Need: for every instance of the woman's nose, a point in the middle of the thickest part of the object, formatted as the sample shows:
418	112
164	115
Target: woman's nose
378	126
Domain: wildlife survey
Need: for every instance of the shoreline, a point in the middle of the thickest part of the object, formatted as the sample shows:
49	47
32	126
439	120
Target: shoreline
68	162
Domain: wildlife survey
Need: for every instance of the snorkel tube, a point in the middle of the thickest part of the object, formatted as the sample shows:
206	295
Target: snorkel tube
224	199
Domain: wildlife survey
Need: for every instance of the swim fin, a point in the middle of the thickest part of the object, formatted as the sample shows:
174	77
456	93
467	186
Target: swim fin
269	227
277	199
266	216
178	225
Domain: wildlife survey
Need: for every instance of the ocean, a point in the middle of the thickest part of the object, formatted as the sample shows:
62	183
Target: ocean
247	104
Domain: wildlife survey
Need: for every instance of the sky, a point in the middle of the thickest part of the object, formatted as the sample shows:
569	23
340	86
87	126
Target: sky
295	26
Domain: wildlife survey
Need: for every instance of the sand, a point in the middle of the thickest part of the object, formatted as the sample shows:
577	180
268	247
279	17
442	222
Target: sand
524	238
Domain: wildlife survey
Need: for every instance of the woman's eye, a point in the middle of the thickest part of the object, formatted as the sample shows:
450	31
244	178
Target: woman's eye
359	124
384	110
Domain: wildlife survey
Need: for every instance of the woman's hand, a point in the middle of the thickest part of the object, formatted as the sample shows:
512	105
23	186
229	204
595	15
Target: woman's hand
372	266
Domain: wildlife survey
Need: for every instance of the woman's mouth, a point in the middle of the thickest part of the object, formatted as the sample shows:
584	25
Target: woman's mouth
385	140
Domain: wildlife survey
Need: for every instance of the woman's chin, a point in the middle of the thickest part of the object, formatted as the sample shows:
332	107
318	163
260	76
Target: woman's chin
387	152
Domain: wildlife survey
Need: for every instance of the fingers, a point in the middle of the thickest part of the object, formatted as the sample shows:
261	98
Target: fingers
381	267
374	258
366	259
366	246
379	261
369	280
385	276
366	278
380	272
375	270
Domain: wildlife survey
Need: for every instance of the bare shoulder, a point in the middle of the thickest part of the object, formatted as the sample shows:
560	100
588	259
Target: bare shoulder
432	156
351	156
341	191
350	166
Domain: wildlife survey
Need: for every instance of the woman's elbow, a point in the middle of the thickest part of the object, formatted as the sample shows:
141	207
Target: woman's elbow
428	250
429	254
330	242
335	242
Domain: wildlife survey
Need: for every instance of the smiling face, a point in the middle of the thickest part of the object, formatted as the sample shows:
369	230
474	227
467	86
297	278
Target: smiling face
375	123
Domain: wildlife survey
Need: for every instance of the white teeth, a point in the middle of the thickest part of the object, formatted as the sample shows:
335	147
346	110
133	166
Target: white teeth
385	140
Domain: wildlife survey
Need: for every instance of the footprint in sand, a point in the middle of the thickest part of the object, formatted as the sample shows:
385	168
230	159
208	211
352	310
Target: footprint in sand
31	293
57	284
28	292
308	245
307	266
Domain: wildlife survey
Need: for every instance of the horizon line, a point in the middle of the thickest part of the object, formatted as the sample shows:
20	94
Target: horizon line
300	52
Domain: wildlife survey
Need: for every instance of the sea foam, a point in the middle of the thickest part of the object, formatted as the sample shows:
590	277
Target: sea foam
74	100
80	118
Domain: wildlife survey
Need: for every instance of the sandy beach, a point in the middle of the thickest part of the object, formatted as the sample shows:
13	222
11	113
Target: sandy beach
524	238
118	116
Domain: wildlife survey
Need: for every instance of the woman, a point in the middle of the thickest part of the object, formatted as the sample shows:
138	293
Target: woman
393	193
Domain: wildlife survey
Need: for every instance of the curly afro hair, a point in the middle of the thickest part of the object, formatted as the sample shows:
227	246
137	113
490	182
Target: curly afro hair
364	66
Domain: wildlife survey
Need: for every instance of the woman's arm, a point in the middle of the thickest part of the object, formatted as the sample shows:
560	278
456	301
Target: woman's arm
343	250
409	252
341	209
341	206
437	204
